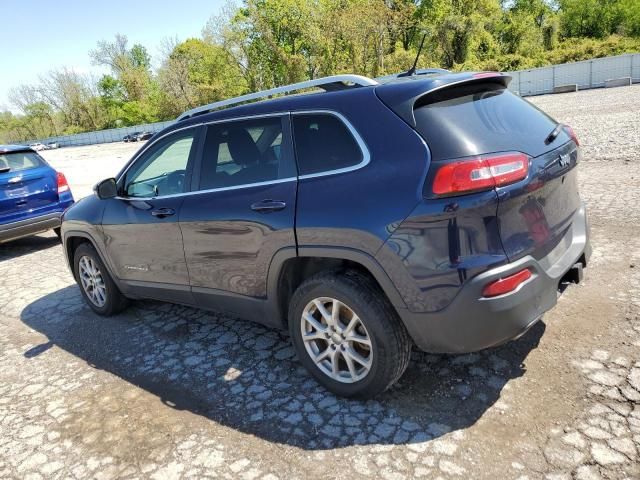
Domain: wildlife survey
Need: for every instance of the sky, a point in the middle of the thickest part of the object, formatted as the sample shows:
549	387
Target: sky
41	35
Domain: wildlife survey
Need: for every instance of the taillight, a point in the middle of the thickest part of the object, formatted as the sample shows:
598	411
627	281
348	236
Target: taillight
506	284
572	134
63	185
480	173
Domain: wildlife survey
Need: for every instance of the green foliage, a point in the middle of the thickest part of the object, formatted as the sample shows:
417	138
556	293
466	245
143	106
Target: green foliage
577	49
197	72
600	18
140	58
266	43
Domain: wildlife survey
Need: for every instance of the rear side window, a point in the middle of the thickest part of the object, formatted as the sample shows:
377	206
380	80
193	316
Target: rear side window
244	152
324	143
460	122
15	162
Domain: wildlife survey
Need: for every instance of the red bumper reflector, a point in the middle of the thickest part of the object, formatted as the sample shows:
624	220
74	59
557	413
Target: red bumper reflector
506	284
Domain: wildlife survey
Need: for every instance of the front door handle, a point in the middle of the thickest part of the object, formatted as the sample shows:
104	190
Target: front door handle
266	206
163	212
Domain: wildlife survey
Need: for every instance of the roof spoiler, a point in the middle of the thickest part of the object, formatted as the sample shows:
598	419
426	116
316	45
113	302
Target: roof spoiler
403	100
418	72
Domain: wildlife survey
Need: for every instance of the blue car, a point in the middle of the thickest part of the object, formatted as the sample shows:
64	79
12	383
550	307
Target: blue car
438	211
33	195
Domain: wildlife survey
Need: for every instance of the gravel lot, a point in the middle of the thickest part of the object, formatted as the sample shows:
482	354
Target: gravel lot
171	392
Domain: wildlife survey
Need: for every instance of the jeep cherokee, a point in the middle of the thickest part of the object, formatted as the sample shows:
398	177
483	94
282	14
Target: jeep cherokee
438	210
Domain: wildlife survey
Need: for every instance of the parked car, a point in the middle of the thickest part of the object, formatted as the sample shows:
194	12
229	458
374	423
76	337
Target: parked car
441	212
132	137
32	194
37	147
144	136
52	145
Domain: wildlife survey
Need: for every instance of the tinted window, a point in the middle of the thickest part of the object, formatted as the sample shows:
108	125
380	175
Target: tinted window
161	170
243	152
482	119
323	142
14	162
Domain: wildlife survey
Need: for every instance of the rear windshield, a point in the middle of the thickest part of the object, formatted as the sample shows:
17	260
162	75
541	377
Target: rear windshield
485	118
16	161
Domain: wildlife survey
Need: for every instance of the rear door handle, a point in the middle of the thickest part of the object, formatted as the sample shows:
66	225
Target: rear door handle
266	206
163	212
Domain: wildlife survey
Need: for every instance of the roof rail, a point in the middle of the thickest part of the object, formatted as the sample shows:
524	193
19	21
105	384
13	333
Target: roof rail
335	82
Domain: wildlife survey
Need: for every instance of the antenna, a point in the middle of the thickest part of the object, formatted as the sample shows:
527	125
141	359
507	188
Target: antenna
412	70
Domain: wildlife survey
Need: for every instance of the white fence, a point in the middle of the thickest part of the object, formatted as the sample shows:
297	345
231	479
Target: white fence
586	74
538	81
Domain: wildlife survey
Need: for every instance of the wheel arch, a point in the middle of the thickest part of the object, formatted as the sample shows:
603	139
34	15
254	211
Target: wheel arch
288	270
73	239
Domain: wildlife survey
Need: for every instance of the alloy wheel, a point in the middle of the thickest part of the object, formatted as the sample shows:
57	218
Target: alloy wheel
336	340
92	281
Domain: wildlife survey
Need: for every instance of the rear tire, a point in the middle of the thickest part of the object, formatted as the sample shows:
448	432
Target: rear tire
96	285
368	344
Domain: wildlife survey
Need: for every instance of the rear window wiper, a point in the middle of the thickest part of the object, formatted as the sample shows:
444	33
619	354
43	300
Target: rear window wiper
554	134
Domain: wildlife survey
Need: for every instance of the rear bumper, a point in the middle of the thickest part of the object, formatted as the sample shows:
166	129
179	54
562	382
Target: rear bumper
30	226
472	322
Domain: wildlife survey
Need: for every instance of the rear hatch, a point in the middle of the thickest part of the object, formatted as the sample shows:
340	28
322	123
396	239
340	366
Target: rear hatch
481	120
28	186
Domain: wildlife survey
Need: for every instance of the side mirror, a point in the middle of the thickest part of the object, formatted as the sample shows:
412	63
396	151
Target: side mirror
106	189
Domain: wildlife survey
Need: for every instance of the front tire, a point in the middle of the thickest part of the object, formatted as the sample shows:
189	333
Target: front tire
347	334
96	285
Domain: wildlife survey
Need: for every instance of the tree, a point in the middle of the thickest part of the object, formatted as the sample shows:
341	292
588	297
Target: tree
140	58
266	43
630	15
114	55
198	72
594	18
129	66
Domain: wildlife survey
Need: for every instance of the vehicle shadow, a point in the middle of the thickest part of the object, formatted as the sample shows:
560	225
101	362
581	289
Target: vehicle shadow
244	376
25	246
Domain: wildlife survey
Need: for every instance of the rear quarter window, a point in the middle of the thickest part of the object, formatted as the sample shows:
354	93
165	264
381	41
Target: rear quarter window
485	118
324	143
17	161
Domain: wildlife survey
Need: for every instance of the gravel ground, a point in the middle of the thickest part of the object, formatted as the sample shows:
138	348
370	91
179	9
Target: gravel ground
164	391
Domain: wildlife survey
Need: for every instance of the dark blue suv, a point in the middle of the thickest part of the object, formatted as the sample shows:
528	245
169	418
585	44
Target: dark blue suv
437	210
32	194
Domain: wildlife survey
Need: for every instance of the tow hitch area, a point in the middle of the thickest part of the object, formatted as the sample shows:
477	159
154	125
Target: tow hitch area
574	275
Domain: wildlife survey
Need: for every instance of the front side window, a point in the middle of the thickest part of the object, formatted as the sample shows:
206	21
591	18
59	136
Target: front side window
162	170
244	152
15	162
323	143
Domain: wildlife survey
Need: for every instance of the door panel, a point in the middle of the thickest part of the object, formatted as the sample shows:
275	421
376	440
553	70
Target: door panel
142	234
245	210
143	246
229	246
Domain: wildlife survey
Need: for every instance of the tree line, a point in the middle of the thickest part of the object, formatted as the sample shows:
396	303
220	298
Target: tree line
266	43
